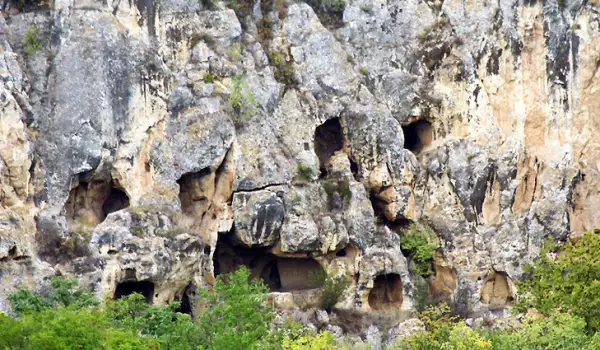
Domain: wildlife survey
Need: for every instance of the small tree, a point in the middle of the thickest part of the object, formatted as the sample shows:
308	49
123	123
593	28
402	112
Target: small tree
568	281
236	315
420	243
333	288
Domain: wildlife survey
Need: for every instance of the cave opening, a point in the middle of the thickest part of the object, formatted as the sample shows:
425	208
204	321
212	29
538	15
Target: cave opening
280	274
417	135
185	306
145	288
496	290
329	138
91	202
195	191
25	5
116	201
386	292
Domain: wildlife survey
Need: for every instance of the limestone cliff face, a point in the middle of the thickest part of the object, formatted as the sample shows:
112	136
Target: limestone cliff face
169	141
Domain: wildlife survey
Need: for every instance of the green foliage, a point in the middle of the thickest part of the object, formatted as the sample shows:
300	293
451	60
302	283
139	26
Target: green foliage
421	294
284	71
568	281
364	71
304	173
420	243
25	301
32	44
242	8
333	288
236	315
559	331
235	52
322	341
196	38
242	100
330	12
208	78
171	329
65	292
342	187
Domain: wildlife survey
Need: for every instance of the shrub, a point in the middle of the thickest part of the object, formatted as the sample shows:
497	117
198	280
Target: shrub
364	71
322	341
284	71
234	52
65	292
443	332
236	315
161	323
333	288
568	281
420	243
32	44
304	173
196	38
242	100
330	12
341	187
559	331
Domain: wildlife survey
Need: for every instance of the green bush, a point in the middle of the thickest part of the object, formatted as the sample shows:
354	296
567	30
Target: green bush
65	293
342	187
284	71
235	315
321	341
420	243
558	331
333	288
568	281
242	100
304	173
32	44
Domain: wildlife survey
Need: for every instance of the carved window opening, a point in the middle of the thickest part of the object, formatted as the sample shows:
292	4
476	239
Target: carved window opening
145	288
278	273
90	203
196	191
497	290
386	292
329	138
417	135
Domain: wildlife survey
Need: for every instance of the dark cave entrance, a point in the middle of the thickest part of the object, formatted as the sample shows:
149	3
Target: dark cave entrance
116	201
195	191
25	5
329	138
386	292
186	298
417	135
90	203
145	288
278	273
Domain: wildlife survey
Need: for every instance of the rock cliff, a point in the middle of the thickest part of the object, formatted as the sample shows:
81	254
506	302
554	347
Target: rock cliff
151	145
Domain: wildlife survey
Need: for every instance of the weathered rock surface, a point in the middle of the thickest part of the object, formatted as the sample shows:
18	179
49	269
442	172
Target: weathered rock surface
136	137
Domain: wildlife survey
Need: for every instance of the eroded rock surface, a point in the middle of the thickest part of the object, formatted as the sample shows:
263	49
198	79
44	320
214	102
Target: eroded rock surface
150	146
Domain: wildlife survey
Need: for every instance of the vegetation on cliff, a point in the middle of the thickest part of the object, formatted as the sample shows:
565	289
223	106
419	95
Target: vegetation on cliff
559	296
